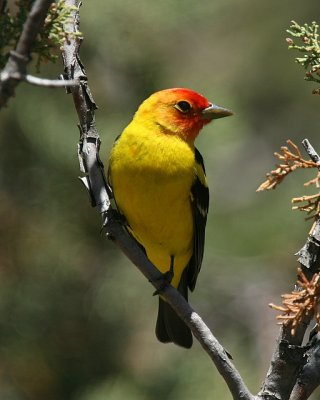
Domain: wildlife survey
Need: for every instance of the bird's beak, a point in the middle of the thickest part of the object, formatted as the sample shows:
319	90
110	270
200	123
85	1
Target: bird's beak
215	112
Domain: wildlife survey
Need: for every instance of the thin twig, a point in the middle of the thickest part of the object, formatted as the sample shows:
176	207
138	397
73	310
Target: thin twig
49	83
34	80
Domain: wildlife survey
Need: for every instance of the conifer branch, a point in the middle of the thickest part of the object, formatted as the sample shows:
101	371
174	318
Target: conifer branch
309	204
300	304
305	39
290	159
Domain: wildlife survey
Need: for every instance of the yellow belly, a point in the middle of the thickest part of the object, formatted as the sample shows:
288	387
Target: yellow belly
151	181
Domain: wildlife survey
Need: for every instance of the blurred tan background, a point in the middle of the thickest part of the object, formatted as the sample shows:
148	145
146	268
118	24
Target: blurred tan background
76	318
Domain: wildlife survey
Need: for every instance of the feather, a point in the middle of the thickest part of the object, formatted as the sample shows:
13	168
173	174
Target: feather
200	206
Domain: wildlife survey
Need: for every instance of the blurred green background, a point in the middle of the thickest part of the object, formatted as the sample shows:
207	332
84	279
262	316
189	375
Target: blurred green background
76	318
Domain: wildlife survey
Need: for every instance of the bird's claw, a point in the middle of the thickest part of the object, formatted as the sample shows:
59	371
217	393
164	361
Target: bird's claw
165	279
115	216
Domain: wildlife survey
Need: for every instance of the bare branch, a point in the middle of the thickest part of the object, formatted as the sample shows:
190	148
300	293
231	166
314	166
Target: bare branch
311	151
34	80
285	365
200	330
309	378
49	83
31	27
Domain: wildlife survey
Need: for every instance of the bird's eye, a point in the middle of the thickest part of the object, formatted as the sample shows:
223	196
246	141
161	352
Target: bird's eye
183	106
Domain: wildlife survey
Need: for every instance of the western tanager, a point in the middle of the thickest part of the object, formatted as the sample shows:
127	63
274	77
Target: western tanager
159	185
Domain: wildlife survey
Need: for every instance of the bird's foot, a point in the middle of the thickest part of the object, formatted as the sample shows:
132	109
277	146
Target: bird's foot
165	278
112	215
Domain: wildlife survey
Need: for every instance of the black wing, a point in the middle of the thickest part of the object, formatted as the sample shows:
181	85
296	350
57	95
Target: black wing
200	205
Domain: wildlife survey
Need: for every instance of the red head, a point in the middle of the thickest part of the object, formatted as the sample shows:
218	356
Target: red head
180	112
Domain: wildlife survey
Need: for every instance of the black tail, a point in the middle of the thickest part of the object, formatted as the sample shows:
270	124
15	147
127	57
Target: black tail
170	328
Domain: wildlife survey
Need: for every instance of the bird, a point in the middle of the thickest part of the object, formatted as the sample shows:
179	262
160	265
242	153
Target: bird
159	185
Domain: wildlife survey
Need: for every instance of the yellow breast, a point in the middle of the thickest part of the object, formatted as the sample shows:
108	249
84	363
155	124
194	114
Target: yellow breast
151	175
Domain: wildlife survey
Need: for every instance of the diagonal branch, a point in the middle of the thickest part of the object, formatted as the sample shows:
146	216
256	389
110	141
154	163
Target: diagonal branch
100	193
31	27
200	330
